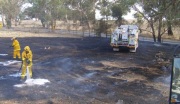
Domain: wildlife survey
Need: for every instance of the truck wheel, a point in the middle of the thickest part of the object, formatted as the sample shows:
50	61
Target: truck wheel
116	49
137	44
132	50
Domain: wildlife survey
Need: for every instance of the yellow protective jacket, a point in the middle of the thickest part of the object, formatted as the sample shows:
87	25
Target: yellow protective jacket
16	45
27	56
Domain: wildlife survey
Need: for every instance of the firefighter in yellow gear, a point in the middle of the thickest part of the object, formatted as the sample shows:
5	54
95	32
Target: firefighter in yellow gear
26	61
17	48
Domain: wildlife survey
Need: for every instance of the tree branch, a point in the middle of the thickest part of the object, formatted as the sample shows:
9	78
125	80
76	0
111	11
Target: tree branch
164	32
136	9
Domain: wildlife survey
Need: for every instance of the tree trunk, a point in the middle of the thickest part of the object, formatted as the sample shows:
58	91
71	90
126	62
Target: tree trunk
53	25
8	22
16	22
19	22
159	38
119	21
153	31
43	23
87	22
159	28
170	32
106	25
83	30
67	18
154	37
88	27
3	21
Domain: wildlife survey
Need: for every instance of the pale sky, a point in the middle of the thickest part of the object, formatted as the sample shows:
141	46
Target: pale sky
26	5
97	15
128	16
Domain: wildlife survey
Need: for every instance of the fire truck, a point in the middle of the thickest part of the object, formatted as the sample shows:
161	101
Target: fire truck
125	36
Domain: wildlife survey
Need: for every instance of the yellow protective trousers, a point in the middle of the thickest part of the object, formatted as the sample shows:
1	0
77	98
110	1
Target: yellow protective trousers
25	67
16	53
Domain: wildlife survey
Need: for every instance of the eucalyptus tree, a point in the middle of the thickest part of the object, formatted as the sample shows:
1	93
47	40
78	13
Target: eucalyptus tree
120	8
105	8
56	11
48	11
86	9
172	15
154	11
10	9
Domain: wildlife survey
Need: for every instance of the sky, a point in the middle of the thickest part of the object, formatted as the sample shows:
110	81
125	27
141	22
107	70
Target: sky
127	17
26	5
97	15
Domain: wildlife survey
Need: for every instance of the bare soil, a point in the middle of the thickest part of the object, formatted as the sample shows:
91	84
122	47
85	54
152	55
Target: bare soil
87	71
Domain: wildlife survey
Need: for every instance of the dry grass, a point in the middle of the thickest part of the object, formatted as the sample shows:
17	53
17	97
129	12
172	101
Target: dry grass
31	34
29	28
175	36
59	24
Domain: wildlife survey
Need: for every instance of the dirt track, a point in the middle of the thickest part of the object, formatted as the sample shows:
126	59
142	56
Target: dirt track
87	71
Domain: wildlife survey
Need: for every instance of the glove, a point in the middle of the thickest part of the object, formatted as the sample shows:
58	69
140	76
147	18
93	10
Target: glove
10	46
28	62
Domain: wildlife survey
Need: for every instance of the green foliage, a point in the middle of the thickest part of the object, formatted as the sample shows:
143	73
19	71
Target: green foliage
116	8
155	10
125	5
86	9
10	9
46	10
139	18
102	27
104	6
117	13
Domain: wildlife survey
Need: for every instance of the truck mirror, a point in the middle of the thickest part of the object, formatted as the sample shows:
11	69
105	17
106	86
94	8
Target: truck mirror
174	97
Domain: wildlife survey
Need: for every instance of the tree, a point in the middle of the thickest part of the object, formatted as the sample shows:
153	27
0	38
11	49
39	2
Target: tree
115	8
172	14
86	9
48	11
105	10
120	8
10	9
153	12
104	6
55	10
117	13
101	27
139	20
38	10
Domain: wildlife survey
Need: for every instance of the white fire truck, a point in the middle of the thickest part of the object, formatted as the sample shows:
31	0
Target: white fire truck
125	36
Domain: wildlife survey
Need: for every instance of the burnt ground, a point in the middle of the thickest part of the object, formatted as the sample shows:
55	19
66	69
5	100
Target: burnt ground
87	71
